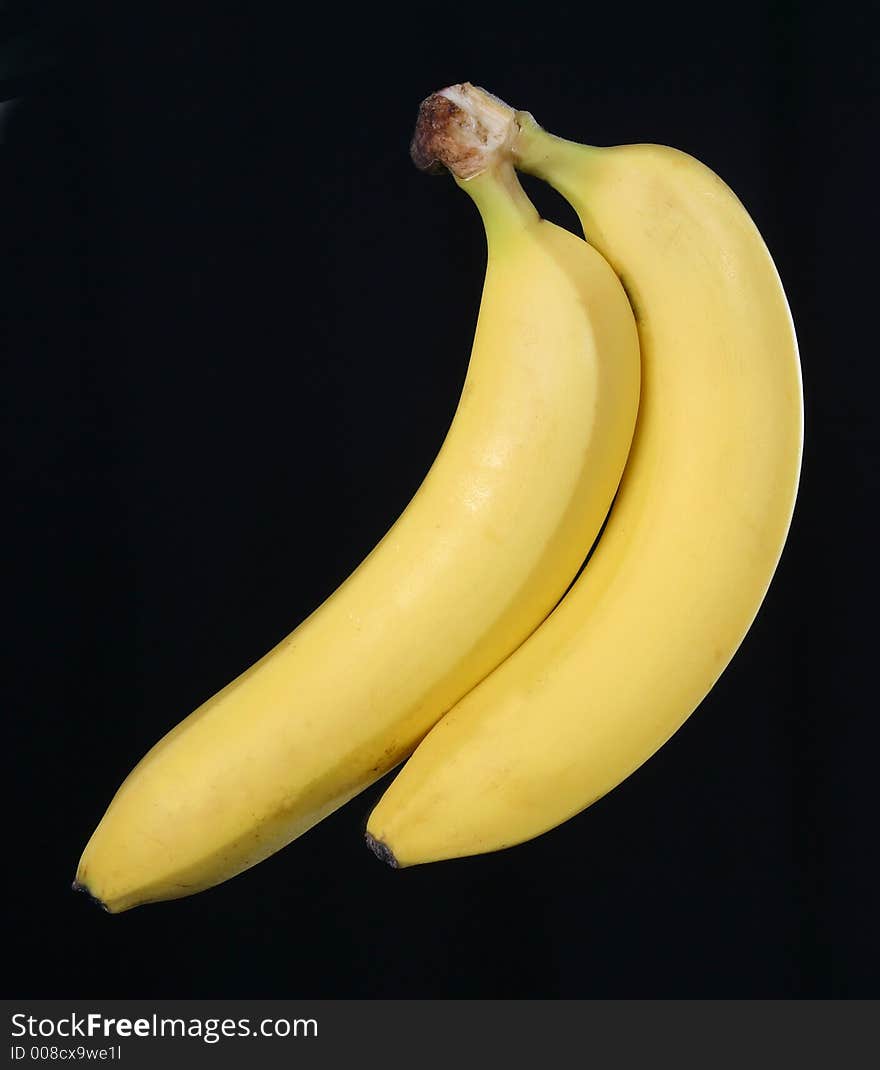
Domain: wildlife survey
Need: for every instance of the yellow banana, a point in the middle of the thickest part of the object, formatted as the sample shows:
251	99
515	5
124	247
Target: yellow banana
693	538
479	557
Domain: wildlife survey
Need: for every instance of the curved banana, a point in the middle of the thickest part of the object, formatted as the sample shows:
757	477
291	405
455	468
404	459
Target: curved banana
479	557
693	538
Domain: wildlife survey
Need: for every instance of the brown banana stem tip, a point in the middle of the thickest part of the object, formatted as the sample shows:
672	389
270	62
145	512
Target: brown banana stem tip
461	129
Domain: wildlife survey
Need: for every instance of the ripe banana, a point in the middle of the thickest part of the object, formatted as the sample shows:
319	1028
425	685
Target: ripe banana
480	556
692	540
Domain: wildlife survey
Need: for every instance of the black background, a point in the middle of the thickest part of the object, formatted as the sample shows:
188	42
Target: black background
237	321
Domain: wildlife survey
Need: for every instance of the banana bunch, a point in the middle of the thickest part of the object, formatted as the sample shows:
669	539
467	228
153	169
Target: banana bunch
657	364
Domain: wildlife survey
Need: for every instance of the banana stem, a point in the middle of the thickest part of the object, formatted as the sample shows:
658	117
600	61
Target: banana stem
538	152
500	199
466	131
462	129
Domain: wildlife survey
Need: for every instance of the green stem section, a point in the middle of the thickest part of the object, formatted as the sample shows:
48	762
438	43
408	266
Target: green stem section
542	154
500	199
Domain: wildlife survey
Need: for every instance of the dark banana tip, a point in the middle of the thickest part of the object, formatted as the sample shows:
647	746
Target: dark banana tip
433	143
78	886
382	851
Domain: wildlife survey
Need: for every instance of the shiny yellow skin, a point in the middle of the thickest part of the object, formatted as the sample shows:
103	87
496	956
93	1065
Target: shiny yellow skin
479	557
693	538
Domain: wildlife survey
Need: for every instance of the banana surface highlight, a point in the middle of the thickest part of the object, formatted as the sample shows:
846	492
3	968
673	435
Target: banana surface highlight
480	556
693	538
